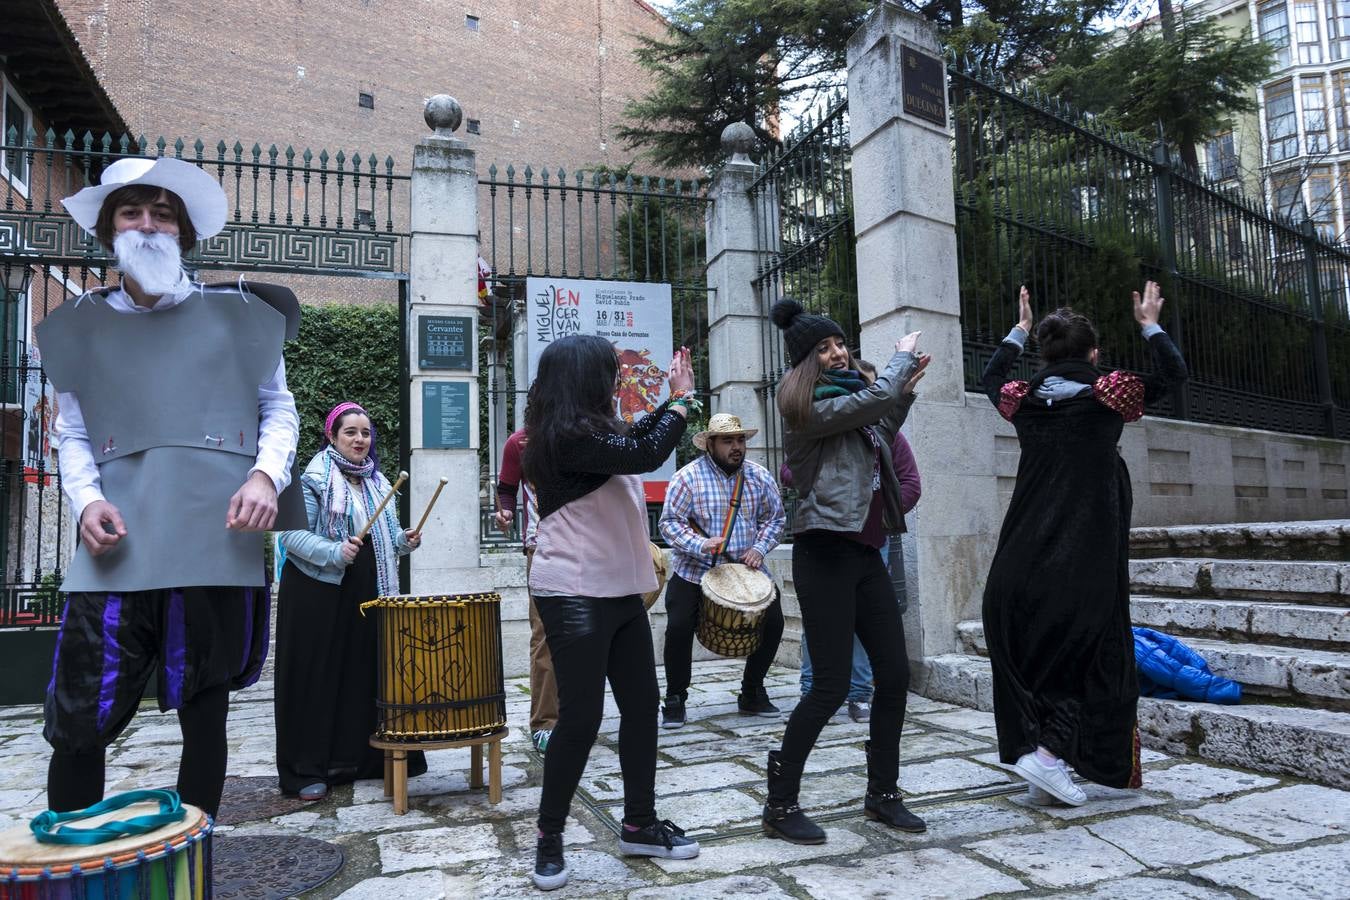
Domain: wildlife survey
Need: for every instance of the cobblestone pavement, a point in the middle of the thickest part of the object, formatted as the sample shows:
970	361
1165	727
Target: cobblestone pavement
1195	831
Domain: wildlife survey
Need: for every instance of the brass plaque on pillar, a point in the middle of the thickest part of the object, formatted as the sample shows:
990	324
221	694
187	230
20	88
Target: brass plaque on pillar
923	85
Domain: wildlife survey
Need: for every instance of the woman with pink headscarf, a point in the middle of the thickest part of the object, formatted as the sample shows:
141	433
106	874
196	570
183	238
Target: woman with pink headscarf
326	650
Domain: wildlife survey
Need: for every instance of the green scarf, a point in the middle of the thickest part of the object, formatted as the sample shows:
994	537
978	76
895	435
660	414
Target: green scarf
838	383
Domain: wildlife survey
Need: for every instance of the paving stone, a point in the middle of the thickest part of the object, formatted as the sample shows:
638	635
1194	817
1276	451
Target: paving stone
734	887
1161	843
1177	574
834	758
379	817
705	811
748	854
724	748
420	885
23	802
678	781
1273	577
937	743
1142	888
1101	801
574	833
952	774
1309	872
966	721
1287	815
957	820
592	874
517	801
436	847
918	873
1065	858
831	790
1196	781
675	737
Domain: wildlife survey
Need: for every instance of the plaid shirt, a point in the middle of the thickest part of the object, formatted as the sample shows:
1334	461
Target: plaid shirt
701	493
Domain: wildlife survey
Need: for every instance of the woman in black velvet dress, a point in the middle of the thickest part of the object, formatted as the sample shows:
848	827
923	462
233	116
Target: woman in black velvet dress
1057	601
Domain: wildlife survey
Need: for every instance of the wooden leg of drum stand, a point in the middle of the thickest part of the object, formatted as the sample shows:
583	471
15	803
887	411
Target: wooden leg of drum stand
389	773
476	766
400	782
495	772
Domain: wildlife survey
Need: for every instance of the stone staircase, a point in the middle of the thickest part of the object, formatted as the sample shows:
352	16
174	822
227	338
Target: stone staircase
1267	605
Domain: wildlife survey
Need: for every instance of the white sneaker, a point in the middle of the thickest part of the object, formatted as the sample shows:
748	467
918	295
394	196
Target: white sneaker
1038	797
1054	779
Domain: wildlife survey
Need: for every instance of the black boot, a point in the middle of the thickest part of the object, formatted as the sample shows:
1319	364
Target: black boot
883	803
783	818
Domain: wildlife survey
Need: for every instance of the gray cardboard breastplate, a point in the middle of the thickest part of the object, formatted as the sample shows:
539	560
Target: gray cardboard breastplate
170	404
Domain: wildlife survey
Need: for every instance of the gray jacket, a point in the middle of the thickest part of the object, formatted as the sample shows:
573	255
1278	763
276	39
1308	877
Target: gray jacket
832	459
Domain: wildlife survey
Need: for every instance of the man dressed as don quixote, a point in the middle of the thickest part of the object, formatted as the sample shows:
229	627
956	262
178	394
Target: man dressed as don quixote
176	435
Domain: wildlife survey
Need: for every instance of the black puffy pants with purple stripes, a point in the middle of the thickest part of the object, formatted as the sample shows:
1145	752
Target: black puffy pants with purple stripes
198	643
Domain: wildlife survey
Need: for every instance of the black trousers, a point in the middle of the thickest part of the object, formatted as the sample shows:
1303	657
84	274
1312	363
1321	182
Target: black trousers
683	599
844	589
593	639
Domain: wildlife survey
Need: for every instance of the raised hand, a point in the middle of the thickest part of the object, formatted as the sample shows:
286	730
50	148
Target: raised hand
909	343
1024	310
1148	308
919	370
681	376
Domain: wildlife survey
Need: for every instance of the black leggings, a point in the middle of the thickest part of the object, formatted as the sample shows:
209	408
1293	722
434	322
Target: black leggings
844	589
683	600
75	780
592	638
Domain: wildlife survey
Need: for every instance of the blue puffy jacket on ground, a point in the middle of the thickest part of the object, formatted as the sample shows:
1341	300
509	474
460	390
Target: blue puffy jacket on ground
1170	669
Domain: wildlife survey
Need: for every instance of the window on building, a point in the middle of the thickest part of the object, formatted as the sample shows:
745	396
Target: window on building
1306	33
1322	202
474	126
1286	196
365	100
471	22
1272	18
1281	122
1221	157
1338	29
1314	115
15	121
1340	102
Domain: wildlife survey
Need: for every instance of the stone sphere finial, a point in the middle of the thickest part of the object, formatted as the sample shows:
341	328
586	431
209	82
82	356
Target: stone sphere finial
443	113
739	139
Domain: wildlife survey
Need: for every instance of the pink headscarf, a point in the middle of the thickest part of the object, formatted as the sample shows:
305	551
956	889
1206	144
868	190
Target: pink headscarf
337	412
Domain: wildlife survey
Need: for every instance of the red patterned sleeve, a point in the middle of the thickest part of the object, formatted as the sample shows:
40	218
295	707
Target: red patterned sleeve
1010	398
1122	392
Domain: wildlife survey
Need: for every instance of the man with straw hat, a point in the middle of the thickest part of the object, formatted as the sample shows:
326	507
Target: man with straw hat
176	434
703	527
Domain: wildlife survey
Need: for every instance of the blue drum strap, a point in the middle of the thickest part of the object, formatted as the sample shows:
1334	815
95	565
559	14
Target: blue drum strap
48	827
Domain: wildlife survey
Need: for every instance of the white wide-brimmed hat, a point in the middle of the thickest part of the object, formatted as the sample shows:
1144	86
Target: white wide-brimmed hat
204	199
722	425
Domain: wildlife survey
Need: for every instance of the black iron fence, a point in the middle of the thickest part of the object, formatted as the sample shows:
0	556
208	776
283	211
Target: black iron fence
803	202
1048	198
594	225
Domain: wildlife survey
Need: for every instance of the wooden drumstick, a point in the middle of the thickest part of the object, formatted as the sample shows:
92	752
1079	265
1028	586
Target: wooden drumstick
402	477
432	503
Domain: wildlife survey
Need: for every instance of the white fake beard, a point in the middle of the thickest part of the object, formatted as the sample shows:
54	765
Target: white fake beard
155	261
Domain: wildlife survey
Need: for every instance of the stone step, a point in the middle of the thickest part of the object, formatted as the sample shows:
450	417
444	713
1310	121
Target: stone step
1309	677
1320	583
1306	743
1287	624
1322	540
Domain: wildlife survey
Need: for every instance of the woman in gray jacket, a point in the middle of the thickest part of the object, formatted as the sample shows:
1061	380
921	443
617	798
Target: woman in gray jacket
326	650
838	435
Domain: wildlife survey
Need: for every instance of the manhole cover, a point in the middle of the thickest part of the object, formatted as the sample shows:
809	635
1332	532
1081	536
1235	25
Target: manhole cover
255	799
270	867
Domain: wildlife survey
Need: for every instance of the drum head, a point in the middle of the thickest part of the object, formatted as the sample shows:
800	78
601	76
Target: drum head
659	563
738	587
19	849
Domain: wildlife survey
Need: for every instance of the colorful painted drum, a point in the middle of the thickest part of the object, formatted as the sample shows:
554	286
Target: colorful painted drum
171	863
731	614
440	667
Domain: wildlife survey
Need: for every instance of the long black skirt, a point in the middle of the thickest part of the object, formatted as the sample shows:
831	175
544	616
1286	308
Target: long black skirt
326	679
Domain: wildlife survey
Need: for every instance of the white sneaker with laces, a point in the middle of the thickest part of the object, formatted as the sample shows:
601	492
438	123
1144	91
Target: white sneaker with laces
1054	779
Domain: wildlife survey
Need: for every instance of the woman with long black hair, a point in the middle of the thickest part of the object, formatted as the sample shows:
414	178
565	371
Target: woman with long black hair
1057	600
837	438
591	566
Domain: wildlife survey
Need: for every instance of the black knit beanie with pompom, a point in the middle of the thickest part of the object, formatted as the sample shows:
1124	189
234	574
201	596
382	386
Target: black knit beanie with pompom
801	329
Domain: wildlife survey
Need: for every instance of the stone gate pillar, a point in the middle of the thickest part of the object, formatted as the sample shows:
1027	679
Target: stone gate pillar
905	221
443	290
735	319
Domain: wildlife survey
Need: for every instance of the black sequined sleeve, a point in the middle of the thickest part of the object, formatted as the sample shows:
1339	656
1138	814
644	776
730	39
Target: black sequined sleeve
645	448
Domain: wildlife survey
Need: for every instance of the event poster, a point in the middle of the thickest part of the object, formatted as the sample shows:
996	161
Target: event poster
634	316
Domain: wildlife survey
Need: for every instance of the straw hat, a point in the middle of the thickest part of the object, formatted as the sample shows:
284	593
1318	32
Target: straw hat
204	199
722	425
